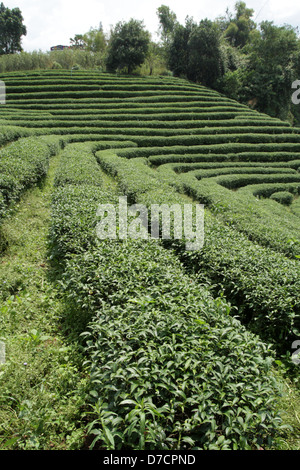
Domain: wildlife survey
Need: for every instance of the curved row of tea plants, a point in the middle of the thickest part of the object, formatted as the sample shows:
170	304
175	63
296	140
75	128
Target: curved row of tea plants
249	253
22	164
171	368
263	284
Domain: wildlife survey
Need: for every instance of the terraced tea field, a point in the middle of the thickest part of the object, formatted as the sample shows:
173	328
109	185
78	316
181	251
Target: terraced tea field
177	340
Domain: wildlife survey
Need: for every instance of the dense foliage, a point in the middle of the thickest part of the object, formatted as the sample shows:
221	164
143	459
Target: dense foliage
157	341
180	345
232	54
128	46
11	30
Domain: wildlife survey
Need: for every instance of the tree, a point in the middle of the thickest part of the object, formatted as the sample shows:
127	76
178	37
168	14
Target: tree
128	46
195	52
11	30
78	41
205	57
167	23
238	28
95	39
273	60
155	57
178	52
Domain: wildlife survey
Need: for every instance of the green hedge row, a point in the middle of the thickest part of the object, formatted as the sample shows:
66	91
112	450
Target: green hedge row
185	156
283	197
164	100
147	108
22	164
40	87
145	101
246	214
100	133
170	368
146	149
78	162
170	116
218	152
129	175
77	74
78	165
102	144
295	206
10	133
168	105
240	142
86	79
234	181
168	129
267	189
100	94
227	165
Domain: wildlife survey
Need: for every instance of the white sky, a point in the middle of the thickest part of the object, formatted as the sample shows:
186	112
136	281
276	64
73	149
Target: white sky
56	21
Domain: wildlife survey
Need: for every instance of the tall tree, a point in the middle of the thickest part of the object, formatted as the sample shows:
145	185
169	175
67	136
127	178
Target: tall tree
11	30
78	41
238	28
178	51
195	51
128	46
167	23
205	57
273	63
95	39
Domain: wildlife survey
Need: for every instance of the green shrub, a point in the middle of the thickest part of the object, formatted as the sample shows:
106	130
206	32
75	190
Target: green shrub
283	197
56	65
78	166
10	133
232	181
23	164
244	212
161	156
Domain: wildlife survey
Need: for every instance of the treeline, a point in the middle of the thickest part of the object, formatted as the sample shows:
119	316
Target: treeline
253	64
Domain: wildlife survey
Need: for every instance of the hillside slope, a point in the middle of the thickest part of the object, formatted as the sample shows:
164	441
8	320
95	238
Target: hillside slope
175	338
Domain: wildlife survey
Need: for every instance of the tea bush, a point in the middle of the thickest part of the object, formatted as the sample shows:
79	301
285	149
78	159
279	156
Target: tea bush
22	164
283	197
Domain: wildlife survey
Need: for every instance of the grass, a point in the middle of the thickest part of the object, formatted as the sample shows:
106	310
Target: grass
291	415
42	383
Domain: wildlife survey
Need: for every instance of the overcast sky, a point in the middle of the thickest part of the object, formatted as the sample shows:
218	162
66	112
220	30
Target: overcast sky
56	21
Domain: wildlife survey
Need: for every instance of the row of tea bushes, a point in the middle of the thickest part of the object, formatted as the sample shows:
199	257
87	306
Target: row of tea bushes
235	181
267	189
22	164
174	129
229	165
10	133
170	367
246	214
